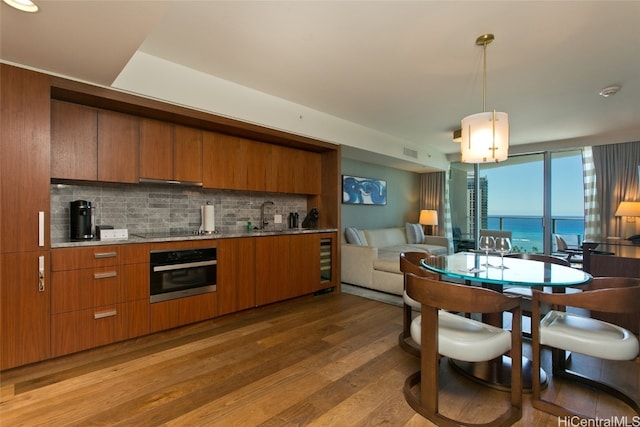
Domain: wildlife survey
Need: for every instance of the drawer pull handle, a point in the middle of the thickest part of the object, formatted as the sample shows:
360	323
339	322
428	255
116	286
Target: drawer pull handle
104	314
106	255
105	275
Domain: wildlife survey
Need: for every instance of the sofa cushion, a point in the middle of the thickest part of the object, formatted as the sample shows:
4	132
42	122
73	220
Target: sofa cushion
415	234
382	237
352	236
390	264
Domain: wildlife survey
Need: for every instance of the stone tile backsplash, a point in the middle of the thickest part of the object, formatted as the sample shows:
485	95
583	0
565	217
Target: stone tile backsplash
153	208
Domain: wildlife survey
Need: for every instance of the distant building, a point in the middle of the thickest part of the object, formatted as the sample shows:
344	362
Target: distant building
484	202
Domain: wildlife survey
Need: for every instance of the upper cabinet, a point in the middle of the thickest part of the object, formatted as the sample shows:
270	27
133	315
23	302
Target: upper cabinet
224	159
241	164
236	163
156	149
93	145
187	154
170	152
296	171
74	141
118	138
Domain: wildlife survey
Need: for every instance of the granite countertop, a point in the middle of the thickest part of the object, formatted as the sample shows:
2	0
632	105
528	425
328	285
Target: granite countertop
139	238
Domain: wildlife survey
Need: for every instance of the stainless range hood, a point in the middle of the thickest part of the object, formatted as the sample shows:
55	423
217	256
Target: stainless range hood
169	181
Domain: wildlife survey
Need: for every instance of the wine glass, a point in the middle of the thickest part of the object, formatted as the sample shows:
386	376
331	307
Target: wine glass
487	243
503	246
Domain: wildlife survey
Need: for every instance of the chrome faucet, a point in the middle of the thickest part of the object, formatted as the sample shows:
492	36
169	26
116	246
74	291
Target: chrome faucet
263	221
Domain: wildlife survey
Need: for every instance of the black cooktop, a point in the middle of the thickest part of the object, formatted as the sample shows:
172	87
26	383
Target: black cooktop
165	234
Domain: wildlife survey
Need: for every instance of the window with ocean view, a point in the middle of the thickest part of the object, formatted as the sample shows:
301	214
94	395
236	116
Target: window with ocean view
513	196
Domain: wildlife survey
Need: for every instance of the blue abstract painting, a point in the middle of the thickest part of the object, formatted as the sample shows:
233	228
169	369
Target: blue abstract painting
363	191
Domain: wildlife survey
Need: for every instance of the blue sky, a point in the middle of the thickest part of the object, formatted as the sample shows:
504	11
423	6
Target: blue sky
517	189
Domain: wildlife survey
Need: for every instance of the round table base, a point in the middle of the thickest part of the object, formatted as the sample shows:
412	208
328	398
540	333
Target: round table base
496	373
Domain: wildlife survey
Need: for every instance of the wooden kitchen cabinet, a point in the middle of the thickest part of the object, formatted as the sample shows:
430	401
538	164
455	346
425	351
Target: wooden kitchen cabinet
100	295
187	154
272	270
296	171
312	262
24	216
118	147
259	166
24	314
93	145
74	141
156	149
224	157
236	163
236	280
293	265
305	262
182	311
170	152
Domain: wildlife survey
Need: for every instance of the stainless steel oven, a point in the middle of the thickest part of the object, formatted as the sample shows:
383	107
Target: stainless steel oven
181	273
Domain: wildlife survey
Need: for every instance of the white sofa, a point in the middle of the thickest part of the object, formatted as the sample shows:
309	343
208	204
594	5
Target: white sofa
373	260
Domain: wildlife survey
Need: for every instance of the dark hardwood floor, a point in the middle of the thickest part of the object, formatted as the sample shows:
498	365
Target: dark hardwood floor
329	360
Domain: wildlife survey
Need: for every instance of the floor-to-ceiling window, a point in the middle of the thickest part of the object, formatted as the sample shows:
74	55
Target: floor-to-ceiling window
534	196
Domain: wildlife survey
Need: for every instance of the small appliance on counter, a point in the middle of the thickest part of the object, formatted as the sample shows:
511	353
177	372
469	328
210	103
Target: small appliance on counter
101	228
80	220
311	220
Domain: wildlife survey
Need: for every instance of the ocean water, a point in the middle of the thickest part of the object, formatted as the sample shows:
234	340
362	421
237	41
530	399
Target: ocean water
527	231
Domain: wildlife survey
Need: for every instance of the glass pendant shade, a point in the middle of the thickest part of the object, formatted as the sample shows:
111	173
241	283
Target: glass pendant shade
23	5
485	138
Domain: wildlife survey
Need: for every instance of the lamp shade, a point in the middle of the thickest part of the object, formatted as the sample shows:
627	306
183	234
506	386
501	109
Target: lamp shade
428	217
628	209
485	138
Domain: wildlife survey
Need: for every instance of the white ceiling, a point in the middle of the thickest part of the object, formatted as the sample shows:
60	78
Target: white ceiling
406	71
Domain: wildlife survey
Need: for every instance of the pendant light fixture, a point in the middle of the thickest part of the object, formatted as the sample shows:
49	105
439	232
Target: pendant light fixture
23	5
485	136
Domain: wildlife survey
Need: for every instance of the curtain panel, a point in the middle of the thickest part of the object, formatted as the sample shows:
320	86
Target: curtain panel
434	194
616	169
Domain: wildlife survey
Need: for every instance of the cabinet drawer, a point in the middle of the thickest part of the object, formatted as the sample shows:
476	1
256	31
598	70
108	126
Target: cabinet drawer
82	289
182	311
83	329
76	258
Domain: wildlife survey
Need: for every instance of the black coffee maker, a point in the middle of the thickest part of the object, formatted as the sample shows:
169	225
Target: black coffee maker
80	217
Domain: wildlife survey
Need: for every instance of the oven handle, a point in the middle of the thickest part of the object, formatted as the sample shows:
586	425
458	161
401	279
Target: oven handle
183	266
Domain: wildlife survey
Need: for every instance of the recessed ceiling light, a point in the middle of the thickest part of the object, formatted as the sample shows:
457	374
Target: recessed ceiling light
23	5
609	91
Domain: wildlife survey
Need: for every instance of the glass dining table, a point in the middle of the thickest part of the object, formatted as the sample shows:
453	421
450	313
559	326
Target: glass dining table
496	273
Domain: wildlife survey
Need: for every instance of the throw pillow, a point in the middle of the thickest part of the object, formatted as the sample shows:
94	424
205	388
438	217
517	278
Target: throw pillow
414	233
352	236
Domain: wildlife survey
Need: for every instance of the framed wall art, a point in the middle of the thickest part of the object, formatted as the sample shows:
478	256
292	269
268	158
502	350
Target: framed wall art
363	191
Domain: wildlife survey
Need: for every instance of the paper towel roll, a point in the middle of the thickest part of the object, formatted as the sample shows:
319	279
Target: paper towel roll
208	219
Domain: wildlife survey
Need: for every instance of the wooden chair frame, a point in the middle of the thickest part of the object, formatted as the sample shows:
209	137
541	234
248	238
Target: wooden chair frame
435	295
527	293
410	264
603	294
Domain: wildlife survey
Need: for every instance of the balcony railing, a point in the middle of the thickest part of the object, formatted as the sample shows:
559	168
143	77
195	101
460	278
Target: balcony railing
527	234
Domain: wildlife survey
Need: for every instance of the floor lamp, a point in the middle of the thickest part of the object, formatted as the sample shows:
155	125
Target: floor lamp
429	217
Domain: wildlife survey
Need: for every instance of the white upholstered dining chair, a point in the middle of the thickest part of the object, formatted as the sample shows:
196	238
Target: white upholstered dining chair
564	331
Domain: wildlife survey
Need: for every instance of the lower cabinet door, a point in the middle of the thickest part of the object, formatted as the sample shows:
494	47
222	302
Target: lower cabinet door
24	309
71	332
